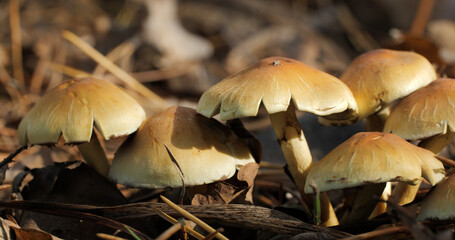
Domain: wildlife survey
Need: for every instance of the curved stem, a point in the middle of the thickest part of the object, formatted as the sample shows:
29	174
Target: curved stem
364	203
437	143
405	193
381	206
298	157
94	155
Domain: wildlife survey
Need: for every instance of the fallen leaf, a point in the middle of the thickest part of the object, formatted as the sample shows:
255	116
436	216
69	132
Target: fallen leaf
237	189
30	234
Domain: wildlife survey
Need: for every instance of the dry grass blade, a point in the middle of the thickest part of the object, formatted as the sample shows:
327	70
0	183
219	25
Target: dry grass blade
420	20
270	165
174	221
159	103
193	218
4	186
446	161
16	41
108	237
377	233
125	48
164	73
212	235
182	177
69	71
169	232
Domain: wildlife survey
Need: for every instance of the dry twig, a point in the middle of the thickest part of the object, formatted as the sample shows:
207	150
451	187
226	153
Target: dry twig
193	218
158	102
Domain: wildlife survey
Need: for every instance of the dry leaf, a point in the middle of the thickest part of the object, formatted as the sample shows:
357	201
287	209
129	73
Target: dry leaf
237	189
31	234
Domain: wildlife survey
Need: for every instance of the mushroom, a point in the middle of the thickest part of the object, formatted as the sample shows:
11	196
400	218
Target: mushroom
275	81
376	79
72	109
438	204
379	77
370	159
204	149
428	115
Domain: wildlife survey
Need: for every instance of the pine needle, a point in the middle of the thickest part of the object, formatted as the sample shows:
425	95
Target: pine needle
159	103
16	41
193	218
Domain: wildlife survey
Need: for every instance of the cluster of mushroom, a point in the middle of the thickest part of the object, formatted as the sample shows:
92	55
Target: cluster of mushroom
377	79
204	149
175	147
370	84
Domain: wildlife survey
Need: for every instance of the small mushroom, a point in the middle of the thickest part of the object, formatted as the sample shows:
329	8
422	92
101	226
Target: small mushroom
439	203
370	160
72	109
282	85
428	115
379	77
205	150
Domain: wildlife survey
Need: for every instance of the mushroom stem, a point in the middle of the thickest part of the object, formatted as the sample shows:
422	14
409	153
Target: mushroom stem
381	207
405	193
364	203
376	121
94	155
437	143
298	157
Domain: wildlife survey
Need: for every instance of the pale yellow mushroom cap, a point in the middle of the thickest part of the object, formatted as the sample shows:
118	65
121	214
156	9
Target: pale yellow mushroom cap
374	157
73	107
275	81
205	150
427	112
379	77
440	202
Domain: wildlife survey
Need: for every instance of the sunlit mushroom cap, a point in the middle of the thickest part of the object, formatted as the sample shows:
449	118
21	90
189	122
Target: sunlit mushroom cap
205	150
440	202
379	77
427	112
374	157
275	81
73	107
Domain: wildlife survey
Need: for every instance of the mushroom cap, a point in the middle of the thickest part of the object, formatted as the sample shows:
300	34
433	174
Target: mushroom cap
374	157
206	151
71	109
427	112
438	204
274	81
379	77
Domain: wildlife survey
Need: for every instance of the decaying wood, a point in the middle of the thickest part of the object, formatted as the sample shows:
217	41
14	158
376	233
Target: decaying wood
247	216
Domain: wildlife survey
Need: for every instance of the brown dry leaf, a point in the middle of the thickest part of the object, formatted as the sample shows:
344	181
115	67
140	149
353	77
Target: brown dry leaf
31	234
237	189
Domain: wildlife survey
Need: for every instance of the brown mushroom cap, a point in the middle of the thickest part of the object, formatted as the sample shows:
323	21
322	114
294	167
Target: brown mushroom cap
71	109
374	157
205	150
379	77
427	112
440	202
274	81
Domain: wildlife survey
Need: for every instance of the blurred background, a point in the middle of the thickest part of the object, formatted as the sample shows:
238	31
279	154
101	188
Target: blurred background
180	48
